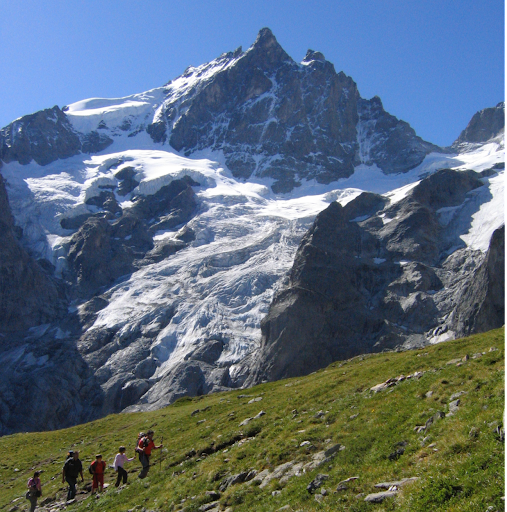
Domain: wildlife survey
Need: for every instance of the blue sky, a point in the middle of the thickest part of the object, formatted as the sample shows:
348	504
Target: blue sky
433	63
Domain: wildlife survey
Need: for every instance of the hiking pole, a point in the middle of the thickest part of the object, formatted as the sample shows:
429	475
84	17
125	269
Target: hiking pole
162	443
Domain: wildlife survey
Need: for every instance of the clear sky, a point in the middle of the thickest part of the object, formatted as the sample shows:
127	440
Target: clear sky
434	63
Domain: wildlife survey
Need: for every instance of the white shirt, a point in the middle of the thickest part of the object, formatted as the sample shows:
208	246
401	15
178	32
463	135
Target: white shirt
120	459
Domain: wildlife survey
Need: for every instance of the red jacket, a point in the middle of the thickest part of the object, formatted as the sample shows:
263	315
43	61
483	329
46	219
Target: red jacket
146	449
98	467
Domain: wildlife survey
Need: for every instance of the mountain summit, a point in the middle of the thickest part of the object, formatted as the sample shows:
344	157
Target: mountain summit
259	112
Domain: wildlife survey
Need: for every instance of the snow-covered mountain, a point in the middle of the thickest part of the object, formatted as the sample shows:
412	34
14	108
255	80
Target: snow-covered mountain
147	238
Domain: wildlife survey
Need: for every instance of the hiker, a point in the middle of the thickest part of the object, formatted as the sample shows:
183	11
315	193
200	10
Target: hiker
71	470
119	461
144	447
35	490
97	468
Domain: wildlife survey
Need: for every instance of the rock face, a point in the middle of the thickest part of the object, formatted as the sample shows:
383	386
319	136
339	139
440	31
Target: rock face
111	244
272	117
29	296
45	137
481	304
389	143
373	275
484	125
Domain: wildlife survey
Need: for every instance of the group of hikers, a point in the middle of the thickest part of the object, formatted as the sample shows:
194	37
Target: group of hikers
73	469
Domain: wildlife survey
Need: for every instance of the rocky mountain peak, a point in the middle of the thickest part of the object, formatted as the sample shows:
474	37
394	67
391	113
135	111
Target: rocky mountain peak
484	125
266	51
265	38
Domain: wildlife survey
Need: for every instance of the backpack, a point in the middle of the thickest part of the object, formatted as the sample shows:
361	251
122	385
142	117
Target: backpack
90	469
146	441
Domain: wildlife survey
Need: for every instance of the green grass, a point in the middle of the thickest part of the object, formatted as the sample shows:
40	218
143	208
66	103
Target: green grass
460	467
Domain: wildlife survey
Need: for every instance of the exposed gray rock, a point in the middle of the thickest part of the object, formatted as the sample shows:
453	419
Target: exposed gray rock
272	117
453	407
396	483
379	497
29	296
349	294
399	271
484	125
45	137
232	480
389	143
126	176
189	378
316	482
107	247
481	302
100	251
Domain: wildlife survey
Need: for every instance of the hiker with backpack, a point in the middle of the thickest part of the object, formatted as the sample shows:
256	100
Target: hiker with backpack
119	461
71	470
144	447
97	468
34	490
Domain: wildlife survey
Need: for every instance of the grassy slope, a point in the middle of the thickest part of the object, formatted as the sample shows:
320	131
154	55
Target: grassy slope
464	470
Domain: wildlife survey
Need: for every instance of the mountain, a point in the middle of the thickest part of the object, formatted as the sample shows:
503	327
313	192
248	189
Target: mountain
166	244
484	125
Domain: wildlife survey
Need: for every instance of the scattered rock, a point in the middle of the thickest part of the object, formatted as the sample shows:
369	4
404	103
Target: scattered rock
342	486
453	407
397	453
333	450
384	385
379	497
253	400
437	416
457	395
214	505
232	480
397	483
213	495
316	482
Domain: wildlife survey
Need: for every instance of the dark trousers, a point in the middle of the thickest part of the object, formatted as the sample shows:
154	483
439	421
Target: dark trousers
145	461
33	502
122	474
71	494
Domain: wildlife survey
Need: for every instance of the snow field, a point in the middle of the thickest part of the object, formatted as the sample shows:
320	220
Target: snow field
221	285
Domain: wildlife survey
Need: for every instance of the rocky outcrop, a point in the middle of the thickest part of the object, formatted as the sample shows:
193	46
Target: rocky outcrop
483	126
386	141
29	296
45	137
188	378
112	243
481	304
370	276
